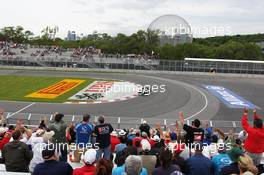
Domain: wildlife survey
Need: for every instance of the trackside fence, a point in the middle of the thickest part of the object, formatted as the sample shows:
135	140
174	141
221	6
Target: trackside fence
253	67
33	120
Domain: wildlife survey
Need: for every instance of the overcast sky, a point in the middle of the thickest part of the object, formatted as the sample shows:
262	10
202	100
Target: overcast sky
128	16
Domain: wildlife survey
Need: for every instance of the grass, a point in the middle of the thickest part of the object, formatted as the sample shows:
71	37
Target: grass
64	70
15	88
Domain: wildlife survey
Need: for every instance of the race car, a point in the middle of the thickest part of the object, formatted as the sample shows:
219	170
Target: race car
144	91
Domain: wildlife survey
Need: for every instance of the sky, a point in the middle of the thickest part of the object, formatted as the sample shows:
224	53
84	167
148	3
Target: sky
206	17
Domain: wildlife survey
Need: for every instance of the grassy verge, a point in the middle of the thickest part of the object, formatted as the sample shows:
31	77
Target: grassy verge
88	70
15	88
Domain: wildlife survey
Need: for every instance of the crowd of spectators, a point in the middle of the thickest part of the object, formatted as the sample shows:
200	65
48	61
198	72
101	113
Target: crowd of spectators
87	52
103	150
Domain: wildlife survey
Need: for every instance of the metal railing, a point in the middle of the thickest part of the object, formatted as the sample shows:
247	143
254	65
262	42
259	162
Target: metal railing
33	120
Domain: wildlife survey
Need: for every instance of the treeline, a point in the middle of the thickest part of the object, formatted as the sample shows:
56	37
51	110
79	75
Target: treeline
147	42
229	50
219	40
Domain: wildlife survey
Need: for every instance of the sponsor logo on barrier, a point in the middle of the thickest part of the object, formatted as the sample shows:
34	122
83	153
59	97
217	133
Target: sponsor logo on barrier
57	89
229	98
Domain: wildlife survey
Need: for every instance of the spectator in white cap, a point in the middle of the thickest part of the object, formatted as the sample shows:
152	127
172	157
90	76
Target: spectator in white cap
155	139
122	132
148	161
123	140
242	135
89	159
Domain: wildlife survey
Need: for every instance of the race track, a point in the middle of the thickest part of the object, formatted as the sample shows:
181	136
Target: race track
183	93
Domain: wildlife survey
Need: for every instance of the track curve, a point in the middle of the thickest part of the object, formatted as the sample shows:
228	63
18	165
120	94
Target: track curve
179	96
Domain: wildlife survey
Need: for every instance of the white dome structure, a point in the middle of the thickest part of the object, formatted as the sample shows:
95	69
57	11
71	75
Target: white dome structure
172	29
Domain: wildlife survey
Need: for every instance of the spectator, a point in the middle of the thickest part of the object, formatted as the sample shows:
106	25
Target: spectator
193	133
233	154
102	132
7	136
16	154
51	165
42	125
2	132
39	144
158	145
89	159
26	133
59	127
114	140
144	127
2	118
122	145
83	132
246	165
154	140
130	149
208	132
211	150
148	161
167	138
132	134
138	147
104	167
199	164
173	136
133	166
221	160
254	143
137	138
166	167
176	158
71	134
120	163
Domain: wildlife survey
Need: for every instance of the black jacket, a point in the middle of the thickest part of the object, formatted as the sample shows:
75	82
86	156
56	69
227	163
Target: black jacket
17	156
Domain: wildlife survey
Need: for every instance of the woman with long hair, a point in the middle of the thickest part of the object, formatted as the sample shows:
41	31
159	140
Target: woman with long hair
246	165
104	167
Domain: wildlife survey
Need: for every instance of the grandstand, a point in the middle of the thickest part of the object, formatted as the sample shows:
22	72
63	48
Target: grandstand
93	58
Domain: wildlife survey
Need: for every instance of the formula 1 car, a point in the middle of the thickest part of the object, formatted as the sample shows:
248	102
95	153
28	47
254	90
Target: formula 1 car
144	91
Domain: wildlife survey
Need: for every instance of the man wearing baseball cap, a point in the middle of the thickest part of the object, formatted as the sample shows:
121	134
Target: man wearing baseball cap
51	165
89	159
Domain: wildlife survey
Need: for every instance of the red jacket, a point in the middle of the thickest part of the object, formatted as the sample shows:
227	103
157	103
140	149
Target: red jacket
85	170
5	139
114	141
254	143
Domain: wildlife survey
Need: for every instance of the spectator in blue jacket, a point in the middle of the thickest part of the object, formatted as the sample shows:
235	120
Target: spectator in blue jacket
83	133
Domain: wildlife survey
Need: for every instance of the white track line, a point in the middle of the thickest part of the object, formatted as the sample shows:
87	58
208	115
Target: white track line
190	86
20	110
205	106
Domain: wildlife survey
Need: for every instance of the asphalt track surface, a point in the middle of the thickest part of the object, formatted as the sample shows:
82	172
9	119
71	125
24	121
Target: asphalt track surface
183	93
